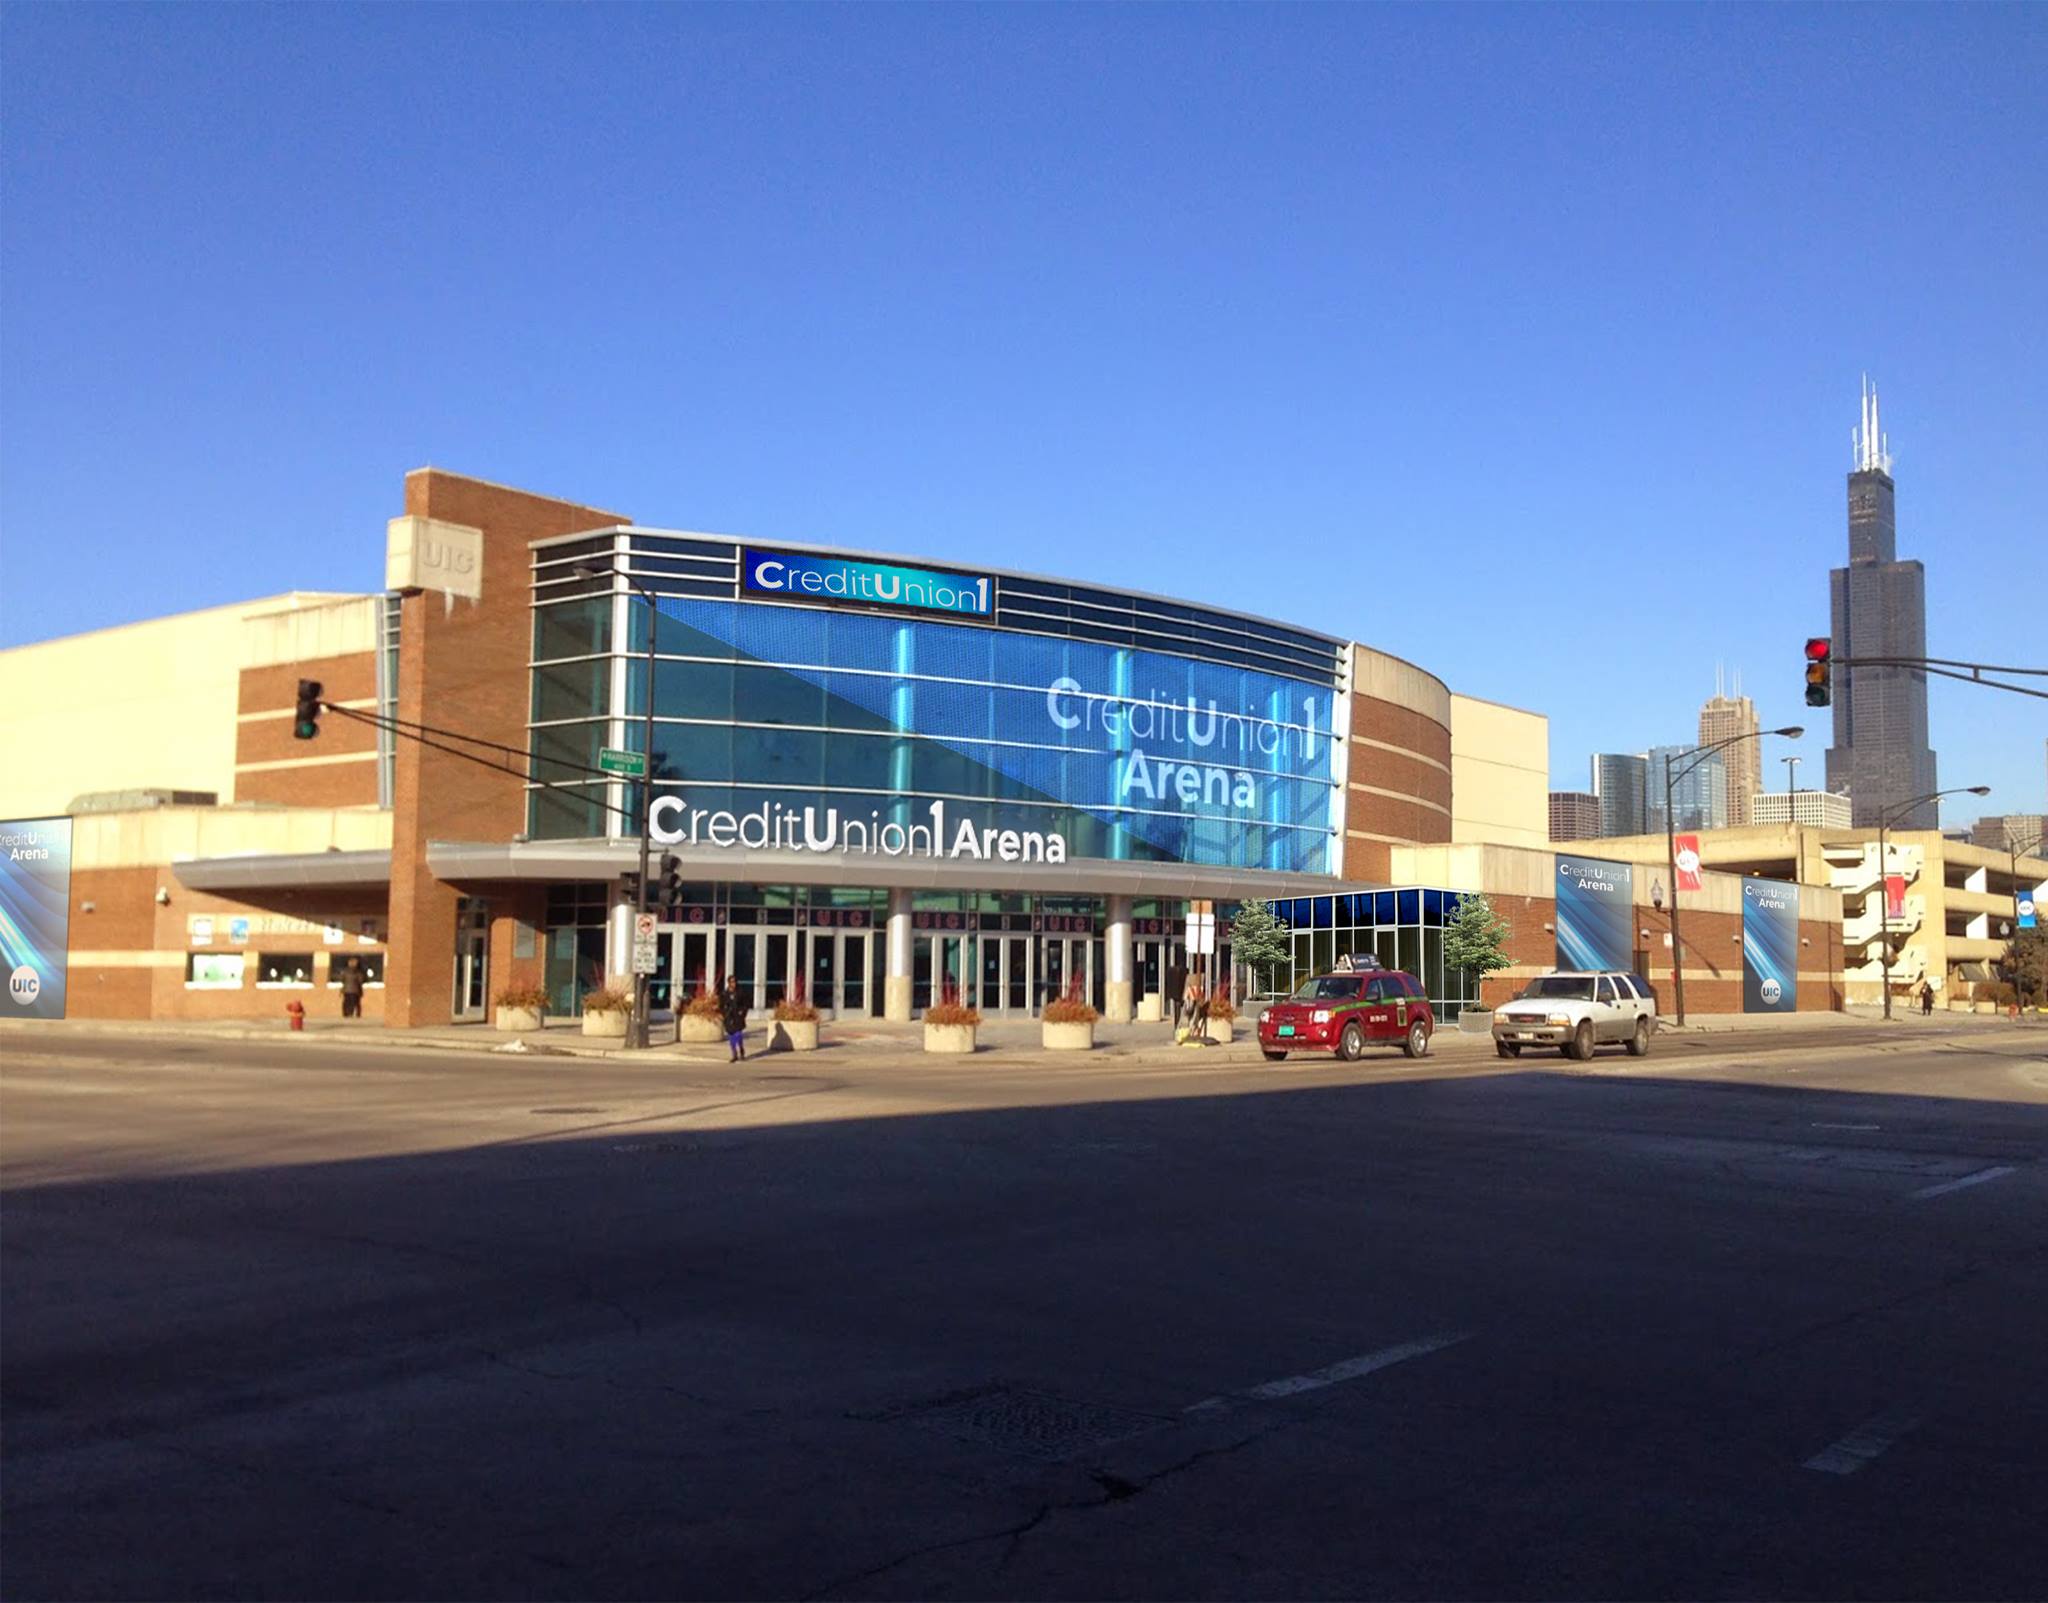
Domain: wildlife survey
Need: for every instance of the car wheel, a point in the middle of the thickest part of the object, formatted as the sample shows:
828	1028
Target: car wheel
1418	1039
1639	1043
1507	1049
1581	1043
1273	1057
1351	1044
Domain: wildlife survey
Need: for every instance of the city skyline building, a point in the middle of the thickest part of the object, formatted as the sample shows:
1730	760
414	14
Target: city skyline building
1727	716
1999	830
1878	608
1816	809
1574	815
1699	800
1621	782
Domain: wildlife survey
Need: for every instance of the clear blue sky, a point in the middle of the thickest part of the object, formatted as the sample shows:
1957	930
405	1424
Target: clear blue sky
1524	343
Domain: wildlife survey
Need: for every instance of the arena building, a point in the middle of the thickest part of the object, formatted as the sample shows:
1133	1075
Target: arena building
876	779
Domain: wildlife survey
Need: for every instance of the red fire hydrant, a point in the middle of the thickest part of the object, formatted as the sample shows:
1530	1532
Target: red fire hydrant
295	1010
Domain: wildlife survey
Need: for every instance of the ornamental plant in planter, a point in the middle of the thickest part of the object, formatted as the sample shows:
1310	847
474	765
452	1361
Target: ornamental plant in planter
796	1023
700	1023
607	1011
522	1007
1068	1022
1222	1017
949	1024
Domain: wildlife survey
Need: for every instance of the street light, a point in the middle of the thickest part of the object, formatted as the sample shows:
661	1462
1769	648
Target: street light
2014	849
1884	891
585	570
1699	754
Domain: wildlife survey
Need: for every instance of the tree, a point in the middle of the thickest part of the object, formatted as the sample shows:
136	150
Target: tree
1259	939
1475	940
2026	965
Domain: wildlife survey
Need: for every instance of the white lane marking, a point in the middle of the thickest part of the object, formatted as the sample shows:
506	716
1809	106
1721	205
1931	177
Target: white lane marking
1864	1443
1976	1179
1819	1126
1333	1374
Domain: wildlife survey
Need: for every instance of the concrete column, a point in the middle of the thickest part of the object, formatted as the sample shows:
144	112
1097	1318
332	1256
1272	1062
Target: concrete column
1117	956
896	976
618	937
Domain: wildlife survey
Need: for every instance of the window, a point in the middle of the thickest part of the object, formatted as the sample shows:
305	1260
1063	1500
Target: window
372	963
1606	989
214	971
573	629
284	968
1329	988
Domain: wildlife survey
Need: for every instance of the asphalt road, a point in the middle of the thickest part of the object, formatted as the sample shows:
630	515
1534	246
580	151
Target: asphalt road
1763	1316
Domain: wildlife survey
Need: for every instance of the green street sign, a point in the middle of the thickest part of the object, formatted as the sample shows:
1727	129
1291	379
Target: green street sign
633	764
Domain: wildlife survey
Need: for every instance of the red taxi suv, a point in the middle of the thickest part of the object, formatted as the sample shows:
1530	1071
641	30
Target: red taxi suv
1345	1013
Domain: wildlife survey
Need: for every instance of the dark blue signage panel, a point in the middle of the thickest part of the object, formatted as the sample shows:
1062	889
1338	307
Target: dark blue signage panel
809	576
1770	946
1595	914
35	916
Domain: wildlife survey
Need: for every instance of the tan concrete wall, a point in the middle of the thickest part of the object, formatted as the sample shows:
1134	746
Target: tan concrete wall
147	705
1500	773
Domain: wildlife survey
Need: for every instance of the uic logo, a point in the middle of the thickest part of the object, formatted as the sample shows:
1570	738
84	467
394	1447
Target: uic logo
1771	991
24	985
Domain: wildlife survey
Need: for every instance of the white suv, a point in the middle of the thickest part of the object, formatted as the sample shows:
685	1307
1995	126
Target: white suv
1577	1011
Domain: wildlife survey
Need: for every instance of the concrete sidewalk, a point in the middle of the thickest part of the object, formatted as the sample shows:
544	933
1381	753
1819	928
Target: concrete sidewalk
1008	1037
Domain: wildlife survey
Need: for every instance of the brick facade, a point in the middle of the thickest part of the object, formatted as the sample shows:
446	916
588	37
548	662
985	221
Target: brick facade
454	670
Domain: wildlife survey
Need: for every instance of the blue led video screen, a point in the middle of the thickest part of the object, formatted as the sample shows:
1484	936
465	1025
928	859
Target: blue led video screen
35	916
1124	753
1770	946
1595	914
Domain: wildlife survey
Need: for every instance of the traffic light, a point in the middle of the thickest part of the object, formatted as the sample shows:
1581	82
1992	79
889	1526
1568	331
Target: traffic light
671	879
1820	671
307	723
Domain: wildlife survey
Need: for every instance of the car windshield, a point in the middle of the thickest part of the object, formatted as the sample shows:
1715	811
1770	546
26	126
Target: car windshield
1328	988
1568	987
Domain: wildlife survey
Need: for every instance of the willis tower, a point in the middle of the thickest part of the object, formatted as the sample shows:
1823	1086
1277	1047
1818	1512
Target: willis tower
1879	609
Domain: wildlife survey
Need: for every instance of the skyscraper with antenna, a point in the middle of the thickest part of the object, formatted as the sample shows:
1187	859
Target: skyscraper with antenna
1722	717
1878	608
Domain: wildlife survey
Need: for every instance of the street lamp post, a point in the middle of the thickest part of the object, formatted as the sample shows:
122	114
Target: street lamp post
584	570
1672	776
1884	889
2014	847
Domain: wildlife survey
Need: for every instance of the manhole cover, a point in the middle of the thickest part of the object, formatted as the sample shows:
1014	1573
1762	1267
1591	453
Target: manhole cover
1035	1424
568	1110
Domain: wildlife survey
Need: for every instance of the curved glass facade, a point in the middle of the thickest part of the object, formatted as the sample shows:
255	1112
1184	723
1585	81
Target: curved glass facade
868	718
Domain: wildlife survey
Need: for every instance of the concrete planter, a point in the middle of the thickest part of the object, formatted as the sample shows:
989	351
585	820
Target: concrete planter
694	1029
1222	1031
793	1035
609	1025
1151	1010
518	1018
949	1037
1067	1037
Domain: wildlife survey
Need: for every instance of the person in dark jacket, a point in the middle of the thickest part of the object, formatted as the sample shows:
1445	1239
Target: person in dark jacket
352	989
732	1013
1176	988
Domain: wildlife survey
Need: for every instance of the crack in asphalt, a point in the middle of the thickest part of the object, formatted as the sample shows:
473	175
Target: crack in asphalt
1115	1489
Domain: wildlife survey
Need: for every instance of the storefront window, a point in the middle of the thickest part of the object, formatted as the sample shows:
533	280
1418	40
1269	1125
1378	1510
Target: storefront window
284	968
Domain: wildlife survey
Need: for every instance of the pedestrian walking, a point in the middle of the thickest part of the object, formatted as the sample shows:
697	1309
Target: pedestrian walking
352	988
1926	999
1176	988
732	1013
1198	1009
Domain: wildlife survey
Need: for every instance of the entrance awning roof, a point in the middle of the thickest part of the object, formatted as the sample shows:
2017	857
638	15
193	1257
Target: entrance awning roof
265	871
587	860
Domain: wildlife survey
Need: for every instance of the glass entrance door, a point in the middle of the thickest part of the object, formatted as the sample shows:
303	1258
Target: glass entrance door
1068	962
942	969
1017	974
836	972
472	958
685	966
